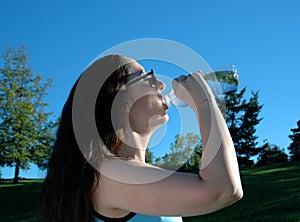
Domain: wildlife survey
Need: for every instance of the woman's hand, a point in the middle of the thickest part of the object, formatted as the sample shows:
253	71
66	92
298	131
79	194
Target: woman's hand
192	89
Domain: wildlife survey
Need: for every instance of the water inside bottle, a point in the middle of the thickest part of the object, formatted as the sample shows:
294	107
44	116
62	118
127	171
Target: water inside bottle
223	80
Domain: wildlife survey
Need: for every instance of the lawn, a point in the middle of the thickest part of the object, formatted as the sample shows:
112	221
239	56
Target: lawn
270	194
19	202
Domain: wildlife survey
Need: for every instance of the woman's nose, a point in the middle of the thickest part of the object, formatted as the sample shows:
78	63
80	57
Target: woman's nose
160	86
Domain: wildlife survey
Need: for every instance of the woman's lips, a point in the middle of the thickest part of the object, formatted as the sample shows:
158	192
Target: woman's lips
162	101
165	106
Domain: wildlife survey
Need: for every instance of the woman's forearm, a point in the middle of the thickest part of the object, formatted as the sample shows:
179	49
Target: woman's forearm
219	165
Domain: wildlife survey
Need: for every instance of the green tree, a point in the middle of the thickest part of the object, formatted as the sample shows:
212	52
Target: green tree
269	154
149	156
193	163
242	117
26	133
181	152
294	147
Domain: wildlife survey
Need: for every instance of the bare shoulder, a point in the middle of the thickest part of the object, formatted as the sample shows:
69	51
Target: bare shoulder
131	171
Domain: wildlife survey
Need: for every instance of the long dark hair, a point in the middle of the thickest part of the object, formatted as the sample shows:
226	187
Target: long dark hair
68	188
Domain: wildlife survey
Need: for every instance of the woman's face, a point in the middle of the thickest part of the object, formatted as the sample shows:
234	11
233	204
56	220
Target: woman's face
146	109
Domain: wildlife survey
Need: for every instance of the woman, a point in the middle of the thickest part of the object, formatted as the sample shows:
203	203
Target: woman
122	187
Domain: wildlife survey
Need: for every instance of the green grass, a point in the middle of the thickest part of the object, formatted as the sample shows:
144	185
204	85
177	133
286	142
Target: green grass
19	202
270	194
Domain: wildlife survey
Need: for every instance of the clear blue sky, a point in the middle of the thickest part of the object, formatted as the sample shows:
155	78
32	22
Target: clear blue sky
261	37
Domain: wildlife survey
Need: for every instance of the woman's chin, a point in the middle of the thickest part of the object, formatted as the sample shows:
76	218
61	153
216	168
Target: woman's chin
158	120
166	118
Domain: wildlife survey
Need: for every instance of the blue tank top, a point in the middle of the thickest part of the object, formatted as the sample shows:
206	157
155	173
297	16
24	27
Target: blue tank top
132	217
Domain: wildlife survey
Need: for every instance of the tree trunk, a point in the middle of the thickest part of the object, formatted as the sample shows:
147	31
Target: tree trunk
17	169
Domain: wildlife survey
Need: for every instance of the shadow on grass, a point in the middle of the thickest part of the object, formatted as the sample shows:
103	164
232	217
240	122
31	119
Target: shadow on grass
20	202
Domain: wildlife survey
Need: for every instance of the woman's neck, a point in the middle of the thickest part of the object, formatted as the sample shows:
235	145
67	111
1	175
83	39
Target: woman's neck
132	153
134	146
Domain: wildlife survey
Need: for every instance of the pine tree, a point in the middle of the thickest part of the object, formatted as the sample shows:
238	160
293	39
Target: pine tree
25	130
294	147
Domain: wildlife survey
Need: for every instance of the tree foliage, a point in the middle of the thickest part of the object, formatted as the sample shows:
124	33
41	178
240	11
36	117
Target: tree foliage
25	130
182	152
270	154
149	156
242	117
294	147
193	163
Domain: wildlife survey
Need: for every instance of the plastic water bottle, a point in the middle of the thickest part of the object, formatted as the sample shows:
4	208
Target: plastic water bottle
222	80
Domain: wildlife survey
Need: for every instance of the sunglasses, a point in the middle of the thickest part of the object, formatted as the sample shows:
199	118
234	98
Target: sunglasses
147	78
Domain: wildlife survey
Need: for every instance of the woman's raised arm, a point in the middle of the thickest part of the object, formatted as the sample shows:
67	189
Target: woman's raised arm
133	186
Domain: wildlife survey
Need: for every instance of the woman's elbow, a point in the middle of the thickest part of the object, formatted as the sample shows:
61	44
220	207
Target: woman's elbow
231	196
239	194
223	199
